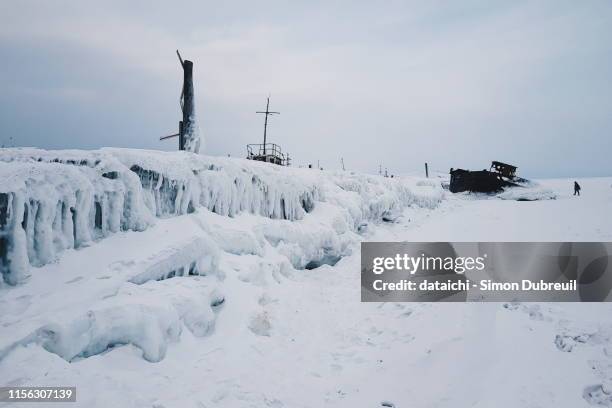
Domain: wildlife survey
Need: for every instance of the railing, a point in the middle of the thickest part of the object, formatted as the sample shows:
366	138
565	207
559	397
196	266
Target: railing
269	153
503	169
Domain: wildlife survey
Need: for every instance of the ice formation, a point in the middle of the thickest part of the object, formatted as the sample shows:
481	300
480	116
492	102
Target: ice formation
56	202
51	201
149	317
193	136
150	328
198	256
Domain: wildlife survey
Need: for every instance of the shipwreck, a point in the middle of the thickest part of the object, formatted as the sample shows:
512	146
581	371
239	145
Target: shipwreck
493	180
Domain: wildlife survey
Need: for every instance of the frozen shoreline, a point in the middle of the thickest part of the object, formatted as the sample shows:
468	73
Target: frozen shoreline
51	201
124	320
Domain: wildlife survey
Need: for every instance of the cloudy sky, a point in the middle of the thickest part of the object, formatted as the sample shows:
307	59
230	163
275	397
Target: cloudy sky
456	84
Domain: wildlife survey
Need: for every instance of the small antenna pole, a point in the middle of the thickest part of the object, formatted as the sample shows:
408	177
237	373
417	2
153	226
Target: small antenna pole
266	122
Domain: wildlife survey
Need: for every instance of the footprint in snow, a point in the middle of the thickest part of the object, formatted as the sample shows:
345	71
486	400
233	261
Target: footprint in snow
567	343
260	324
596	395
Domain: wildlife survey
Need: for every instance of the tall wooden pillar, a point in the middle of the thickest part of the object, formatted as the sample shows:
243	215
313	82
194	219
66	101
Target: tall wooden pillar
188	104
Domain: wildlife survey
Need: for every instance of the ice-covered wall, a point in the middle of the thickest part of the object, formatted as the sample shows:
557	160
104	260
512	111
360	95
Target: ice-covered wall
178	182
55	201
51	201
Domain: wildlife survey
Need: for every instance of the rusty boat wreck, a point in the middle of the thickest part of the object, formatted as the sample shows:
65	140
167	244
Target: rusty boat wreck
495	179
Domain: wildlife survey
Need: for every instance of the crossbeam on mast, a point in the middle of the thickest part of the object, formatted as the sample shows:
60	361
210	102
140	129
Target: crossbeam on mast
169	136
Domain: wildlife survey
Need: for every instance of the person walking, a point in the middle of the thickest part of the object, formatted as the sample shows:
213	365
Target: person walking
577	188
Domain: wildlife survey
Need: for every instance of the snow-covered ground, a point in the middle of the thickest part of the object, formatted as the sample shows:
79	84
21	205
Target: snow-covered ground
213	301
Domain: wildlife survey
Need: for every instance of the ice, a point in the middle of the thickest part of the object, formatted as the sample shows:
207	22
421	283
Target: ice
533	192
148	316
194	141
221	284
148	327
51	201
198	256
177	183
237	242
325	236
56	204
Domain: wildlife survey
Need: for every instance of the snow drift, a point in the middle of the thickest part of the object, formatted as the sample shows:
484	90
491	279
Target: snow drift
532	192
148	316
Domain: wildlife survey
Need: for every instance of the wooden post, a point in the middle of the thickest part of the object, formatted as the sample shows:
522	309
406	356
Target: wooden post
5	263
181	139
187	105
426	171
266	125
189	139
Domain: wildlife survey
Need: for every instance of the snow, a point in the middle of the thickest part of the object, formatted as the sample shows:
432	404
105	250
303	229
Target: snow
146	327
53	207
73	197
532	192
232	283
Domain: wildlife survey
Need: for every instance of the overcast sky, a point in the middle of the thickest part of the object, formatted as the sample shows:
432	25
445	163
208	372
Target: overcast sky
457	83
